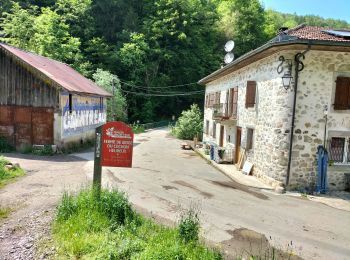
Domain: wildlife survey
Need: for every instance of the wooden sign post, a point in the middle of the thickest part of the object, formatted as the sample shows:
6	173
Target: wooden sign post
113	148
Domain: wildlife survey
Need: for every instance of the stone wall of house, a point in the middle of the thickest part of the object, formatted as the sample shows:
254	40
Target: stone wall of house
315	91
269	118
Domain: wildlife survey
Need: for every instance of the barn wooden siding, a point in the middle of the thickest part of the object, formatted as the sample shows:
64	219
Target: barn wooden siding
21	87
27	104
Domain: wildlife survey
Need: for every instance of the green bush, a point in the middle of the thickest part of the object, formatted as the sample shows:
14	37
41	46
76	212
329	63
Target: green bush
189	124
106	227
5	147
138	129
189	226
46	151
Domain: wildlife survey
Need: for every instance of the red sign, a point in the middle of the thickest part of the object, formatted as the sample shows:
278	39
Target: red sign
117	145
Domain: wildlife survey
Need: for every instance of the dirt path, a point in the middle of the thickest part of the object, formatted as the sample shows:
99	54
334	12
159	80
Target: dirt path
33	199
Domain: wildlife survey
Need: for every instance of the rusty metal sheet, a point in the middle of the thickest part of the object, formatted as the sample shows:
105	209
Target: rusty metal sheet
42	125
23	135
23	115
61	73
6	115
24	126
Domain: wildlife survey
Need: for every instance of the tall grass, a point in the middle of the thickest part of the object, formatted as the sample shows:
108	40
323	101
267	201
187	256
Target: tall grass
109	228
8	175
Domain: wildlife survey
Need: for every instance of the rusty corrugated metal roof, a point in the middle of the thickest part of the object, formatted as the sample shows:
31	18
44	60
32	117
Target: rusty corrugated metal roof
61	73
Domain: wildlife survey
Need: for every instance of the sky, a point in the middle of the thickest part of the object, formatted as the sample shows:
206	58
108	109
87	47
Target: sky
336	9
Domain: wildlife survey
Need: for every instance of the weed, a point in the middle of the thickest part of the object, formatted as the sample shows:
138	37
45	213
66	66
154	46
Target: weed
5	212
78	147
46	151
137	128
5	147
26	149
106	227
8	175
189	226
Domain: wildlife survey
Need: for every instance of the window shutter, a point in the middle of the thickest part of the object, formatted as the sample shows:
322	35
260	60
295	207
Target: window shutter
342	94
234	101
250	94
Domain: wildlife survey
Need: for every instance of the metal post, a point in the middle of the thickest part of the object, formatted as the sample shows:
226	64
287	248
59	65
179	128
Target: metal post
113	101
97	177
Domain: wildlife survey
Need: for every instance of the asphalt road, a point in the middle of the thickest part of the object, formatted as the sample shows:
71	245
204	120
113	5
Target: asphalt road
165	179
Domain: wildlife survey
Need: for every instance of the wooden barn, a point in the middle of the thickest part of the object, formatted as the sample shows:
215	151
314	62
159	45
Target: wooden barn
46	102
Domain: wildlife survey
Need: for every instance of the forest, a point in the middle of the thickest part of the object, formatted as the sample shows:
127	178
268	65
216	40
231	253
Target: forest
152	52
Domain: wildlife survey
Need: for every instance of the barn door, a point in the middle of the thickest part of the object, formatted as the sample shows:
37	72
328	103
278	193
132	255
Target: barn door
42	125
23	126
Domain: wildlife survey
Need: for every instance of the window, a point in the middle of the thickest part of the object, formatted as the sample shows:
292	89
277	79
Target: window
339	150
214	130
250	94
207	127
250	134
342	94
70	104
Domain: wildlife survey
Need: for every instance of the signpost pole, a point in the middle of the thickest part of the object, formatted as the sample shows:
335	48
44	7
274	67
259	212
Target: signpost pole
97	161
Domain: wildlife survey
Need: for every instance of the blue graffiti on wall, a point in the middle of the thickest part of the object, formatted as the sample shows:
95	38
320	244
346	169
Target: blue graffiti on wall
85	115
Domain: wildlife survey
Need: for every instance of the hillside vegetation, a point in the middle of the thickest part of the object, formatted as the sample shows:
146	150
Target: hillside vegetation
145	45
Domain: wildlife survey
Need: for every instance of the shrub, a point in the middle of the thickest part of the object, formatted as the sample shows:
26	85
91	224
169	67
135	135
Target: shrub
189	124
189	226
5	147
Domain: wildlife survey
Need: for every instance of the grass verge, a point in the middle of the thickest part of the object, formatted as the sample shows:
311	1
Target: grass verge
108	228
8	175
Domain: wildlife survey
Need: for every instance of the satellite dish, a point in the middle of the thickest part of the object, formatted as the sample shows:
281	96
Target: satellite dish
229	57
229	46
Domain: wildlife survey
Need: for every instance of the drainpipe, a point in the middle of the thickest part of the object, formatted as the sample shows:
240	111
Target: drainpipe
299	66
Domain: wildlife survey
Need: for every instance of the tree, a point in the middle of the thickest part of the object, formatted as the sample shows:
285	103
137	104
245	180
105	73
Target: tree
18	27
189	124
52	38
117	104
244	22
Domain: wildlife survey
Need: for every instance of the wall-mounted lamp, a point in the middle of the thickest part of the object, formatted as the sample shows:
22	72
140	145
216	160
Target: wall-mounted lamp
287	77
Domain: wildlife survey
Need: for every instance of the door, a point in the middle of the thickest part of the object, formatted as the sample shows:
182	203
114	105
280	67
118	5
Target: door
23	126
222	132
42	125
238	143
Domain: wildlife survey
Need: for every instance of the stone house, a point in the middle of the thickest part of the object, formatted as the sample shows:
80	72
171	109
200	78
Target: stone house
46	102
279	102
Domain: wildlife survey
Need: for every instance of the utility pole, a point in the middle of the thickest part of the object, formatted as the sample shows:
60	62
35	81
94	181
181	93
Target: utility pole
113	101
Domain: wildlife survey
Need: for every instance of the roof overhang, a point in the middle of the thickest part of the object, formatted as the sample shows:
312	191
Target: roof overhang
271	48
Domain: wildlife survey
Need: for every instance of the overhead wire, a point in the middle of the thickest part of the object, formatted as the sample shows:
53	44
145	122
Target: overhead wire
173	86
156	91
163	94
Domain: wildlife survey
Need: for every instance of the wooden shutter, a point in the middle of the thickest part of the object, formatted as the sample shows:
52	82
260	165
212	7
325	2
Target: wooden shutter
342	94
234	102
250	94
217	97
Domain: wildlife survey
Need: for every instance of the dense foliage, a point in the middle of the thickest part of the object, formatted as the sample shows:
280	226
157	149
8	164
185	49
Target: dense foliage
109	228
189	124
149	45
